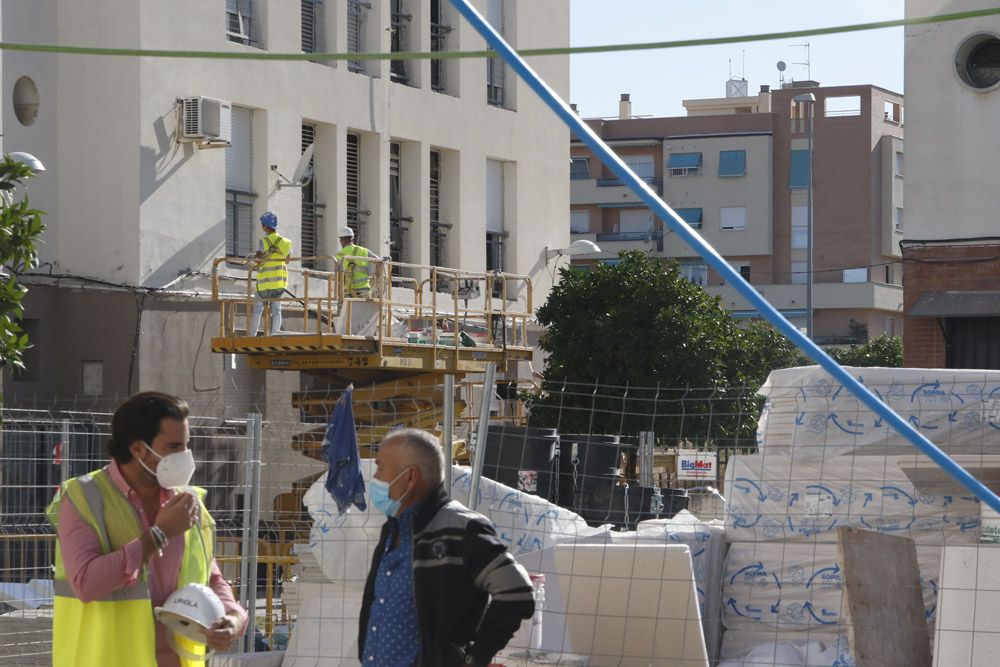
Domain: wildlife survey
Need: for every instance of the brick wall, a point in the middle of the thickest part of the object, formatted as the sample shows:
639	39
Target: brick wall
938	269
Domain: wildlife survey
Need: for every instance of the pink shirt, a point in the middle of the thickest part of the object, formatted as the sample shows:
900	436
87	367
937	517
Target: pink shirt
93	574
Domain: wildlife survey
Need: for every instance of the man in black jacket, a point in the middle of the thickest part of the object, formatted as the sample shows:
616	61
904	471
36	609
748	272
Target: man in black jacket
442	590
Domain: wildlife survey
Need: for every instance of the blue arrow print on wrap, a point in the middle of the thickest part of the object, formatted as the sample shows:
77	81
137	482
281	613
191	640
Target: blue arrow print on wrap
748	490
825	614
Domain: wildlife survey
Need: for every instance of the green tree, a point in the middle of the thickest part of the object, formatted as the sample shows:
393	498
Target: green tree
636	347
20	228
885	351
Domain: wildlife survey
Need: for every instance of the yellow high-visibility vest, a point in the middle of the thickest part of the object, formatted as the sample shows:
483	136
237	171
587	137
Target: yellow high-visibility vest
118	630
355	270
273	273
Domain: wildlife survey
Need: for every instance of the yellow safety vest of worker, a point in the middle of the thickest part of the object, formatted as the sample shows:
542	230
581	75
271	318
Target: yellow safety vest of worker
273	271
119	630
355	270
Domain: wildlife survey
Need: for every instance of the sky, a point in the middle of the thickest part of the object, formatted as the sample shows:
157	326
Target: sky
658	80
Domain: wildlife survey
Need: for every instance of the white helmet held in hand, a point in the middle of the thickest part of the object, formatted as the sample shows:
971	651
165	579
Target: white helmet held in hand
187	612
345	233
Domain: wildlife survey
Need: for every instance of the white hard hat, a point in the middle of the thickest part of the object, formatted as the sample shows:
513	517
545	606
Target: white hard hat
188	611
346	232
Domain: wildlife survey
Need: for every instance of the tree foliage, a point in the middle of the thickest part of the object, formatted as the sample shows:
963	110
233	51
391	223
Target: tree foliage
658	353
20	228
885	351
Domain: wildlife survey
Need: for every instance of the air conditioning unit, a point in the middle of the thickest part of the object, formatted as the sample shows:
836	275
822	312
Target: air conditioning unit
206	121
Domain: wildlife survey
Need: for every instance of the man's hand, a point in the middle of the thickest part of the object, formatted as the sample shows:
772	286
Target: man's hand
178	514
221	635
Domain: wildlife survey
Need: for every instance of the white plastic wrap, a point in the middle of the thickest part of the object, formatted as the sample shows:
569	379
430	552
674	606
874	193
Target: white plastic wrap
808	411
790	586
801	649
780	495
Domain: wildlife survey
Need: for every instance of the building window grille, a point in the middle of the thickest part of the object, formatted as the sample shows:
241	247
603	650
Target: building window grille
239	21
496	69
439	229
239	223
398	222
495	234
400	25
357	14
239	185
579	169
439	33
312	209
312	26
356	217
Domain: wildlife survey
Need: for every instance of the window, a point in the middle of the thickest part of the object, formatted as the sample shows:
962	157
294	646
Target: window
439	229
635	221
400	26
744	271
732	164
846	105
495	67
579	168
732	218
579	222
439	31
312	26
239	21
856	275
239	191
893	112
692	216
495	233
312	210
684	164
800	227
694	272
642	165
898	164
357	13
798	172
799	273
355	216
897	219
978	61
398	222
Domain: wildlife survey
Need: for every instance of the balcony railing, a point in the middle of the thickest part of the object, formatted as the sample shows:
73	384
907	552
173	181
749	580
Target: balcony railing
631	236
612	182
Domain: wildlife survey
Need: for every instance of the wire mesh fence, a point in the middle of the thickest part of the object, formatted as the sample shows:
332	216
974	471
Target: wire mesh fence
587	485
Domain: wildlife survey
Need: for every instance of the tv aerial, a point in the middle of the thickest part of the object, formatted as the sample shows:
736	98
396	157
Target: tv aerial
303	173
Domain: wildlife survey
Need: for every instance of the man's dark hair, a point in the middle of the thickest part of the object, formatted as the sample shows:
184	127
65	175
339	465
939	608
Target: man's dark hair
139	418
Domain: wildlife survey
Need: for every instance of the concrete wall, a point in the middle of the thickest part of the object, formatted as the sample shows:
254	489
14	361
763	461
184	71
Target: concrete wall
950	177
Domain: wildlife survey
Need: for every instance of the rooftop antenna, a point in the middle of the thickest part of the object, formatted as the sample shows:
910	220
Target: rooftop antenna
781	71
807	63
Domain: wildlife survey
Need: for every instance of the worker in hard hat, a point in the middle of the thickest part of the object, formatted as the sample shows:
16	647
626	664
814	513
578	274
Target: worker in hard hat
353	260
273	251
127	537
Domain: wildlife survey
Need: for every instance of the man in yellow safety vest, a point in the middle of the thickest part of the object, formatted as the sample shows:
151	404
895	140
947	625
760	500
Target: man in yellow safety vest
353	261
128	536
272	255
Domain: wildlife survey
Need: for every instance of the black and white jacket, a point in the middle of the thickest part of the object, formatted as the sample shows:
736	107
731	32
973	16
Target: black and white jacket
470	593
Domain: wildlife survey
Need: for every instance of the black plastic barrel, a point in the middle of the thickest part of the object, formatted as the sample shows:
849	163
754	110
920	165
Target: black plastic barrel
524	458
624	507
586	461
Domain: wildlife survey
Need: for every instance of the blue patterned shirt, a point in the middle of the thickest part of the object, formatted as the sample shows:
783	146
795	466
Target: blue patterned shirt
393	636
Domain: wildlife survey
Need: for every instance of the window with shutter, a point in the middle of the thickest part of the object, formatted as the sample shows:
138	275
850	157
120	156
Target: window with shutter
439	229
733	218
312	26
397	221
357	13
400	26
495	67
239	21
312	210
239	185
494	218
355	216
439	32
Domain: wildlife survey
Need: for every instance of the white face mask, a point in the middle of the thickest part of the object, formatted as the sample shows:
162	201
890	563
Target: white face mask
174	469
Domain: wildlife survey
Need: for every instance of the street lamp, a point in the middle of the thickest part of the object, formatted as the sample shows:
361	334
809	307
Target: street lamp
579	247
810	100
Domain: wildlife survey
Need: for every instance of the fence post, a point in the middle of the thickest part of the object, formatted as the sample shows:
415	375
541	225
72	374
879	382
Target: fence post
447	435
489	382
251	518
647	440
64	452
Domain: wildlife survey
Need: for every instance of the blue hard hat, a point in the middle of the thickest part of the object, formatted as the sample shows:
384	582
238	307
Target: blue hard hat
269	220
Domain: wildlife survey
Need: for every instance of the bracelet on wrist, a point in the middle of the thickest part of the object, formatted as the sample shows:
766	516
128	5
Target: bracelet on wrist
159	539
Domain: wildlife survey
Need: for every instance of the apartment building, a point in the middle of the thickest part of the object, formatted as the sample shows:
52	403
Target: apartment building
737	169
951	241
157	166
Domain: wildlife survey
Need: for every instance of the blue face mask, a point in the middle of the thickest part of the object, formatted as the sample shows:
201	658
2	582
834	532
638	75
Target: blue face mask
378	492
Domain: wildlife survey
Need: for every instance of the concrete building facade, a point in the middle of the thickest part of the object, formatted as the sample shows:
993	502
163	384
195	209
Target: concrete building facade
737	169
451	162
951	241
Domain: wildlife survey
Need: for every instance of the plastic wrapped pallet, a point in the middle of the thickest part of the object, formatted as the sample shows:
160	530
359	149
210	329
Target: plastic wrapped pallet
800	649
808	411
790	586
779	495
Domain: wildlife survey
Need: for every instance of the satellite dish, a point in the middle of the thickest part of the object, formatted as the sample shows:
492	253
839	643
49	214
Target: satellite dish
303	171
782	66
303	165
